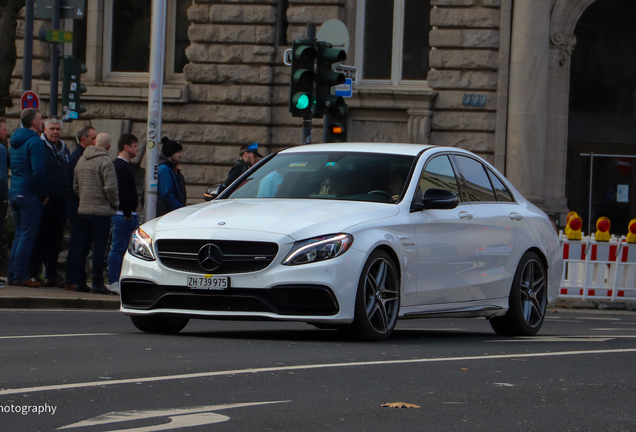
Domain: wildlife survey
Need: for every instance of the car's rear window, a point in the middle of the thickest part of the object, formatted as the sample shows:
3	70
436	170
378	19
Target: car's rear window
334	175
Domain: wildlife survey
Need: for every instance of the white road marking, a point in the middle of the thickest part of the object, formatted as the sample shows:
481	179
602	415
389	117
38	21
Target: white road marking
594	338
179	418
503	384
612	329
308	367
57	335
563	320
599	319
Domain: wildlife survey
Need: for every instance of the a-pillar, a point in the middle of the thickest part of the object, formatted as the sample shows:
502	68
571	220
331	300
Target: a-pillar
528	97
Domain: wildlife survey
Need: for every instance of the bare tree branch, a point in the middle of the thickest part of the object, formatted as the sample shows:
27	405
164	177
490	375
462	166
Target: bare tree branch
9	10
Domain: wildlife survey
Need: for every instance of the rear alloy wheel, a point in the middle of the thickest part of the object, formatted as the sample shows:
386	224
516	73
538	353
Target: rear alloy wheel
378	299
159	324
528	300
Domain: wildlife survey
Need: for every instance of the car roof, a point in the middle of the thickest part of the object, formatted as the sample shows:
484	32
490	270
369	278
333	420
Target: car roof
362	147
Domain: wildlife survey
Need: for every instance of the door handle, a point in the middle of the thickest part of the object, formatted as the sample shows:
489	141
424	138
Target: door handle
465	215
516	216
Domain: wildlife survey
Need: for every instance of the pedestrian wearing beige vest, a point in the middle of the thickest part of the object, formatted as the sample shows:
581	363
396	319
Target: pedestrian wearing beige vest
95	183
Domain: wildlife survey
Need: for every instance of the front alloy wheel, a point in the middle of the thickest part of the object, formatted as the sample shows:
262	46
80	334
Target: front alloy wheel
378	298
528	300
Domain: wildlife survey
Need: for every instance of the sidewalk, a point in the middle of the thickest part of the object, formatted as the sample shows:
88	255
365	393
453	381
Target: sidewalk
12	297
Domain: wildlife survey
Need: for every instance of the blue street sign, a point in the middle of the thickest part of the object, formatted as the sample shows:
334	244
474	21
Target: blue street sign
474	100
345	90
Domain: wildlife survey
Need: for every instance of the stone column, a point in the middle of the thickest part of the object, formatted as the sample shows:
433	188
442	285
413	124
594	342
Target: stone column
557	133
528	97
419	125
94	38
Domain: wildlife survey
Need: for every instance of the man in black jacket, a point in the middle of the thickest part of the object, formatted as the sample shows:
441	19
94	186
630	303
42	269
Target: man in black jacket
249	156
126	221
47	244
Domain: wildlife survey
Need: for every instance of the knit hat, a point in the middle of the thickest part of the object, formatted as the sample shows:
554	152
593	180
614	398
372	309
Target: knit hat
170	147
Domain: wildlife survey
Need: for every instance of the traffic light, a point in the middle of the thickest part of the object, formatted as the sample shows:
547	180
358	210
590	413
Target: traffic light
72	88
326	78
338	124
302	88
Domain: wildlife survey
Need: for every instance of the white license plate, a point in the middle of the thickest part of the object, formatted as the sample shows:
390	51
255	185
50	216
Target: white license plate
208	282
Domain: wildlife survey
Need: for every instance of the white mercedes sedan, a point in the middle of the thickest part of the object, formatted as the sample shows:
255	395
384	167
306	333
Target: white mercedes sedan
351	236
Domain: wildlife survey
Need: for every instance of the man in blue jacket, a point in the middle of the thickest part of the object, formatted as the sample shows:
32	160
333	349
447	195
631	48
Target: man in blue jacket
28	194
51	232
171	183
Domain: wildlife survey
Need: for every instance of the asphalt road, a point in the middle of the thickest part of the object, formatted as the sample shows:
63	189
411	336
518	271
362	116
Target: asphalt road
93	371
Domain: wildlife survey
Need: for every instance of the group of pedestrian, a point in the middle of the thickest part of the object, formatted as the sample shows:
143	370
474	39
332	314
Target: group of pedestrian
49	185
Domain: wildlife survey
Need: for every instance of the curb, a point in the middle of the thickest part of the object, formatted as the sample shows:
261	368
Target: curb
57	303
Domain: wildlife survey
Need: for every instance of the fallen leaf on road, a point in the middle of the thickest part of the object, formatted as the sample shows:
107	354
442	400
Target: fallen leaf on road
400	405
463	368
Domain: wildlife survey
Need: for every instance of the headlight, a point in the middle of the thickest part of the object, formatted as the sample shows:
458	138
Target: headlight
140	245
319	249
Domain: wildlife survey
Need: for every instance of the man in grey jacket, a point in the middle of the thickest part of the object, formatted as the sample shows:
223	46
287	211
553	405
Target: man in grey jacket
95	182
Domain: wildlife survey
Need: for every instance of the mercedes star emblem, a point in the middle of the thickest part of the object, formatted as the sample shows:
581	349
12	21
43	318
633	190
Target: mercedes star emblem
210	257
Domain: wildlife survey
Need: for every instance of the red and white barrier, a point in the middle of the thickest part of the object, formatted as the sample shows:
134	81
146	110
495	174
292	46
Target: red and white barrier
626	274
598	271
574	260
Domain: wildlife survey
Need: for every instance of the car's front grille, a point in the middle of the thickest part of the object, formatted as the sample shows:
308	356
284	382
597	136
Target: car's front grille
304	299
238	256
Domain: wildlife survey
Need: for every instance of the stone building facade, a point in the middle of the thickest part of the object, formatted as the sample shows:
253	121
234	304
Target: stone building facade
497	82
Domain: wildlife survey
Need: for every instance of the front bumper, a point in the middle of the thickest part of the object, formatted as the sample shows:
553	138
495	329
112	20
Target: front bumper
317	292
288	300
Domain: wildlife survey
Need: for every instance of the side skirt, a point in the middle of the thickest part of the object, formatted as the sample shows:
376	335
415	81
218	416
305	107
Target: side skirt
488	309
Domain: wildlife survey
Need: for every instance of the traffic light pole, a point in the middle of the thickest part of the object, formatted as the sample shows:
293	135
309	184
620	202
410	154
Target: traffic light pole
27	61
55	58
155	105
311	35
325	127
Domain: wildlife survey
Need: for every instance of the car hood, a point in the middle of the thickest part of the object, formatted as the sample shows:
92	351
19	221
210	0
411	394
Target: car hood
298	219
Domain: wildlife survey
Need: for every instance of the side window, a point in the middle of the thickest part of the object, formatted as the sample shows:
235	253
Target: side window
478	185
439	174
501	192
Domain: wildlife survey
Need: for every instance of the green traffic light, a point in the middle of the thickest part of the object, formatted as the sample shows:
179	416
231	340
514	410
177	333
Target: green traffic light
303	102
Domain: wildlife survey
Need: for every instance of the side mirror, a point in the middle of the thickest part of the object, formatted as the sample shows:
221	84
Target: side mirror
212	192
439	199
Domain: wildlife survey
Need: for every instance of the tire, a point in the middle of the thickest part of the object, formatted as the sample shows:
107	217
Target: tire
159	324
377	299
528	299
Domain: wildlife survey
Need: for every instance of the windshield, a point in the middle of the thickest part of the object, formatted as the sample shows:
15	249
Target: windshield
329	175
